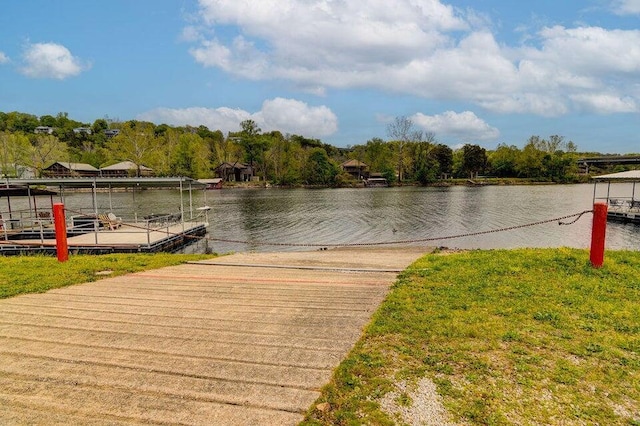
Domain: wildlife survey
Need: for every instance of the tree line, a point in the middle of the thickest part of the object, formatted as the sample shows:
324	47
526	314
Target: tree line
407	156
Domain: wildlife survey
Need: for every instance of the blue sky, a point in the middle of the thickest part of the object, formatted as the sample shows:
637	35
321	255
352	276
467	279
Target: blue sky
485	72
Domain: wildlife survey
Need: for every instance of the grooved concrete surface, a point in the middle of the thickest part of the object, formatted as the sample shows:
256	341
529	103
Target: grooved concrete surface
220	342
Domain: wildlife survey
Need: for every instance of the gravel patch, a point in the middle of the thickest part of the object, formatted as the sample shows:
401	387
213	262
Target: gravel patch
425	408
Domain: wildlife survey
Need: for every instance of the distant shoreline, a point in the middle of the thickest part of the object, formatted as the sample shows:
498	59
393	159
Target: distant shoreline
437	184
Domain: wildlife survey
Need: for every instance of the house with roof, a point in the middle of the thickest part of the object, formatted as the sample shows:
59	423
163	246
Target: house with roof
234	172
63	169
85	130
17	171
355	168
43	130
125	169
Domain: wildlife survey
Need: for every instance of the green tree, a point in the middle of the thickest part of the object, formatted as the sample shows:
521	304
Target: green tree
253	144
45	150
319	169
136	142
425	166
191	156
14	152
530	163
99	126
402	131
378	156
48	120
474	159
504	160
21	122
443	155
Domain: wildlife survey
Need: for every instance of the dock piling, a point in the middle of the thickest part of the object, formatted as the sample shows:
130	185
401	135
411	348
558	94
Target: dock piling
598	232
60	224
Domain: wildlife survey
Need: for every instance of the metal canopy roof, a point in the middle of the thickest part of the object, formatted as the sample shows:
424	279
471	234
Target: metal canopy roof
111	182
23	191
628	175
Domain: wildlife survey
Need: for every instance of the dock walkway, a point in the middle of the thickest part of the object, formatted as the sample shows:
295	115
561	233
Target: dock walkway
244	339
127	238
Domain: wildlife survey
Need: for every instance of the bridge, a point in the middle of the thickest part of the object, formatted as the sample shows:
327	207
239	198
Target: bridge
623	160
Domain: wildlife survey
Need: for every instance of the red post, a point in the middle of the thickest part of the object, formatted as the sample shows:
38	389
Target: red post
61	232
598	232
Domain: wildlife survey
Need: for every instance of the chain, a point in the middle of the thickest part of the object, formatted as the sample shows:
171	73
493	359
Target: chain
560	220
416	240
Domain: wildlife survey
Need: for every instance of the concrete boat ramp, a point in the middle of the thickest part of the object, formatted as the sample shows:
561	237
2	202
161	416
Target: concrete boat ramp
245	339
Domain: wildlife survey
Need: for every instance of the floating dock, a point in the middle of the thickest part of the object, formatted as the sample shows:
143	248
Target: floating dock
624	216
98	231
128	238
618	191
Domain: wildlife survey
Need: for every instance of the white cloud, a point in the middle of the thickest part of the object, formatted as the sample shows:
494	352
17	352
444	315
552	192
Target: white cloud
225	119
606	103
292	116
419	47
190	34
3	58
51	60
285	115
626	7
465	125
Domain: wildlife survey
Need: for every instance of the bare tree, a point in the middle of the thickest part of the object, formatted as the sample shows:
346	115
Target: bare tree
402	131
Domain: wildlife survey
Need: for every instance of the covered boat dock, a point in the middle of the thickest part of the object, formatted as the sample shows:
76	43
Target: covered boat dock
618	190
99	231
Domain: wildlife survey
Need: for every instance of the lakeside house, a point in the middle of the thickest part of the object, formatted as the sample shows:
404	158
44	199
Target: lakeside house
64	169
85	130
43	130
18	171
234	172
355	168
126	169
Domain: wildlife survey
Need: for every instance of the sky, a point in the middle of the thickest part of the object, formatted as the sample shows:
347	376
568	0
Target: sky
484	72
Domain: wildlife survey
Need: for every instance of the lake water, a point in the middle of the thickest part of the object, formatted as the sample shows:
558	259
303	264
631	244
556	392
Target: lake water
375	215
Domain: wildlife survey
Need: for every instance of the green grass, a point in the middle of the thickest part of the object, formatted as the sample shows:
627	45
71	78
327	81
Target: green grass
533	336
36	274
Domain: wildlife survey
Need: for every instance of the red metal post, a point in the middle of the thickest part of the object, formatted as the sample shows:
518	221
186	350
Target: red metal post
598	232
61	232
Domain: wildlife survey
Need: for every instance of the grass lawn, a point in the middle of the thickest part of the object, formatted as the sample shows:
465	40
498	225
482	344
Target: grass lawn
531	336
36	274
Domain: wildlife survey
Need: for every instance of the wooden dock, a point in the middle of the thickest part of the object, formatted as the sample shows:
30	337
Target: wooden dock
246	339
128	238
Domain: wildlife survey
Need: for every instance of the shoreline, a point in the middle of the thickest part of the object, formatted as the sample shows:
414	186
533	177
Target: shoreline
438	184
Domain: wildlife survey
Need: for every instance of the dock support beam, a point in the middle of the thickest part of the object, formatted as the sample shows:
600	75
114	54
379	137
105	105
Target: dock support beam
598	233
60	224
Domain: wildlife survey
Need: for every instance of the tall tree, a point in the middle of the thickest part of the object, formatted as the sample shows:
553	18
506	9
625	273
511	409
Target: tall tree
444	156
136	142
190	156
530	163
402	131
474	159
45	150
504	160
319	169
378	156
425	166
254	145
